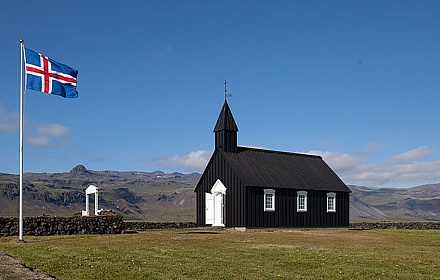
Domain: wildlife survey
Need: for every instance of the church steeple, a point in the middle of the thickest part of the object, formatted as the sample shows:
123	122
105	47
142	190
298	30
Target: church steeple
226	130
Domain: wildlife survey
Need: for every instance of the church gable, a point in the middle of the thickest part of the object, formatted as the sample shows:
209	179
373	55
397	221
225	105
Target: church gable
220	170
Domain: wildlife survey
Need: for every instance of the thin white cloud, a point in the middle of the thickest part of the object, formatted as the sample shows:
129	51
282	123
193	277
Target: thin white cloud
98	159
8	121
400	170
194	161
339	161
50	135
161	53
411	155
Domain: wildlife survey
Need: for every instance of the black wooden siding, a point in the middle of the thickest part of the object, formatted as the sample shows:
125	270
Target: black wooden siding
286	214
244	205
218	168
227	140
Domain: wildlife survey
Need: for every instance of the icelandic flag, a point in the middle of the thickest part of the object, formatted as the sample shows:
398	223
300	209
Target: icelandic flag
48	76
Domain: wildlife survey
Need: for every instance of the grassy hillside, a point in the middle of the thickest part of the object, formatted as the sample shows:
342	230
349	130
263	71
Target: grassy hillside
420	203
153	196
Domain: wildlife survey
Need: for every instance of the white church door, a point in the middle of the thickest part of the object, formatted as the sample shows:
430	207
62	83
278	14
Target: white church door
218	196
218	210
209	209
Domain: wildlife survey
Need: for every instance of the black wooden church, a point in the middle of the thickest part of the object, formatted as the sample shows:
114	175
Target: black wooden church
250	188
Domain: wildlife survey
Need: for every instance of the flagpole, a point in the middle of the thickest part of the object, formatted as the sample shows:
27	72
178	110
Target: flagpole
20	220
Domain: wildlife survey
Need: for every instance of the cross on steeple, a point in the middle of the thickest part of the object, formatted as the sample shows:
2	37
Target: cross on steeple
226	94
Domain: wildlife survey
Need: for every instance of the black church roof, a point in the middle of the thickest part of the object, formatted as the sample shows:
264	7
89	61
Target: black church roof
225	120
266	168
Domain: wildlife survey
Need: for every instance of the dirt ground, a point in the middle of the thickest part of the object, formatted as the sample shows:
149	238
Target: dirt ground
11	269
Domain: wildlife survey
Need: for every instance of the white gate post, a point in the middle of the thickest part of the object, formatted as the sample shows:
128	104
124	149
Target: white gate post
96	202
87	205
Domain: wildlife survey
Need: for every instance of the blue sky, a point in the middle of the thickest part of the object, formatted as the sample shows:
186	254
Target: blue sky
357	82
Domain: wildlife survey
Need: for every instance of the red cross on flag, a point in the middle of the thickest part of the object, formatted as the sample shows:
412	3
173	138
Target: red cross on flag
48	76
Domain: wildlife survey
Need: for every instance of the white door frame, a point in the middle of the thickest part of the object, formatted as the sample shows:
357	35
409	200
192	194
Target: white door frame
89	191
218	192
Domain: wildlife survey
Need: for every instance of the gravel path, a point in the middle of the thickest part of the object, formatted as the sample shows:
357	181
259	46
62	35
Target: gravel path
11	269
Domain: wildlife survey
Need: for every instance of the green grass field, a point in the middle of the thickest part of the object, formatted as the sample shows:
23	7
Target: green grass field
227	254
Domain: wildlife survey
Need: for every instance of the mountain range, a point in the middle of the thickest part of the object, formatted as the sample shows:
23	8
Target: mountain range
158	196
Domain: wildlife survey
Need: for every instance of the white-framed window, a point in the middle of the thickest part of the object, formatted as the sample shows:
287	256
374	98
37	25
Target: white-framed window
269	200
331	202
301	201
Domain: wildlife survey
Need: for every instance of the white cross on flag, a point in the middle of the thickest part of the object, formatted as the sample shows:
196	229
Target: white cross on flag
48	76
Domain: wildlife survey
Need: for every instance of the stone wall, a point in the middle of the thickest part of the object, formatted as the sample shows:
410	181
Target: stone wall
361	225
396	225
63	225
158	225
114	224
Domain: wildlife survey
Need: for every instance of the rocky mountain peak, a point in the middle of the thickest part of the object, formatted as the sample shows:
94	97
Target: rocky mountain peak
79	169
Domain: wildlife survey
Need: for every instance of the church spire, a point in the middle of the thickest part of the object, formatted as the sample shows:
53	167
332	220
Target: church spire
225	121
226	130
